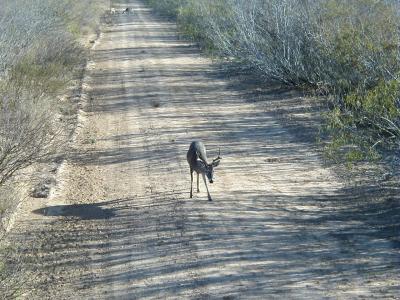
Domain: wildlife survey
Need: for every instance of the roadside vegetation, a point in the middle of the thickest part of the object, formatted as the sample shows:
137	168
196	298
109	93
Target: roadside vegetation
39	55
346	50
41	52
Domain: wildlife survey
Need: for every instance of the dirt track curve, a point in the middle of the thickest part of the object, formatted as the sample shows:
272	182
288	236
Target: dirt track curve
120	224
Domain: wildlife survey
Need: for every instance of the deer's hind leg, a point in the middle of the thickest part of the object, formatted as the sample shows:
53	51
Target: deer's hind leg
191	183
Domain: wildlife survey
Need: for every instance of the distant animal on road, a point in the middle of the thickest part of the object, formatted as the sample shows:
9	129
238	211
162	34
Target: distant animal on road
127	11
197	159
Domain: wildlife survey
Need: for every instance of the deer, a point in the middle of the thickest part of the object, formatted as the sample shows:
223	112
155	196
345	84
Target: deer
197	159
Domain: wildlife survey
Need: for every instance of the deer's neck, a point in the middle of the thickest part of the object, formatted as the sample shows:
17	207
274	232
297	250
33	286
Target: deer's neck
199	166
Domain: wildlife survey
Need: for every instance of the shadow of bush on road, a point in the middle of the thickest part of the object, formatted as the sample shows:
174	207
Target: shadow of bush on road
80	211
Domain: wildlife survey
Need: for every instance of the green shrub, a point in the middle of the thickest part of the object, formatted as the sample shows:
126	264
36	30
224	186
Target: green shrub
367	125
361	39
167	7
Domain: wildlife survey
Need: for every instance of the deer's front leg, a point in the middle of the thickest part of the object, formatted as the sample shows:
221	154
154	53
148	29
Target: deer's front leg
205	182
198	190
191	183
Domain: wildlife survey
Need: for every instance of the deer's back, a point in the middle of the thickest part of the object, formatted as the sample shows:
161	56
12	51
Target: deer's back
196	151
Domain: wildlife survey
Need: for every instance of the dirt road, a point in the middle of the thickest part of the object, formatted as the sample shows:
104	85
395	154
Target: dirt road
120	224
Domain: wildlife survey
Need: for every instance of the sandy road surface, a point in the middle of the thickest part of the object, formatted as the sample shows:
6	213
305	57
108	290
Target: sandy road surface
121	225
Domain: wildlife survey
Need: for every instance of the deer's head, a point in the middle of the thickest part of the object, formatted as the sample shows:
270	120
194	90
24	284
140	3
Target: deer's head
210	167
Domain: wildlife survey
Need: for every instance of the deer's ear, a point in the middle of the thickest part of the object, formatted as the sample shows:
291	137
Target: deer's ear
215	163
